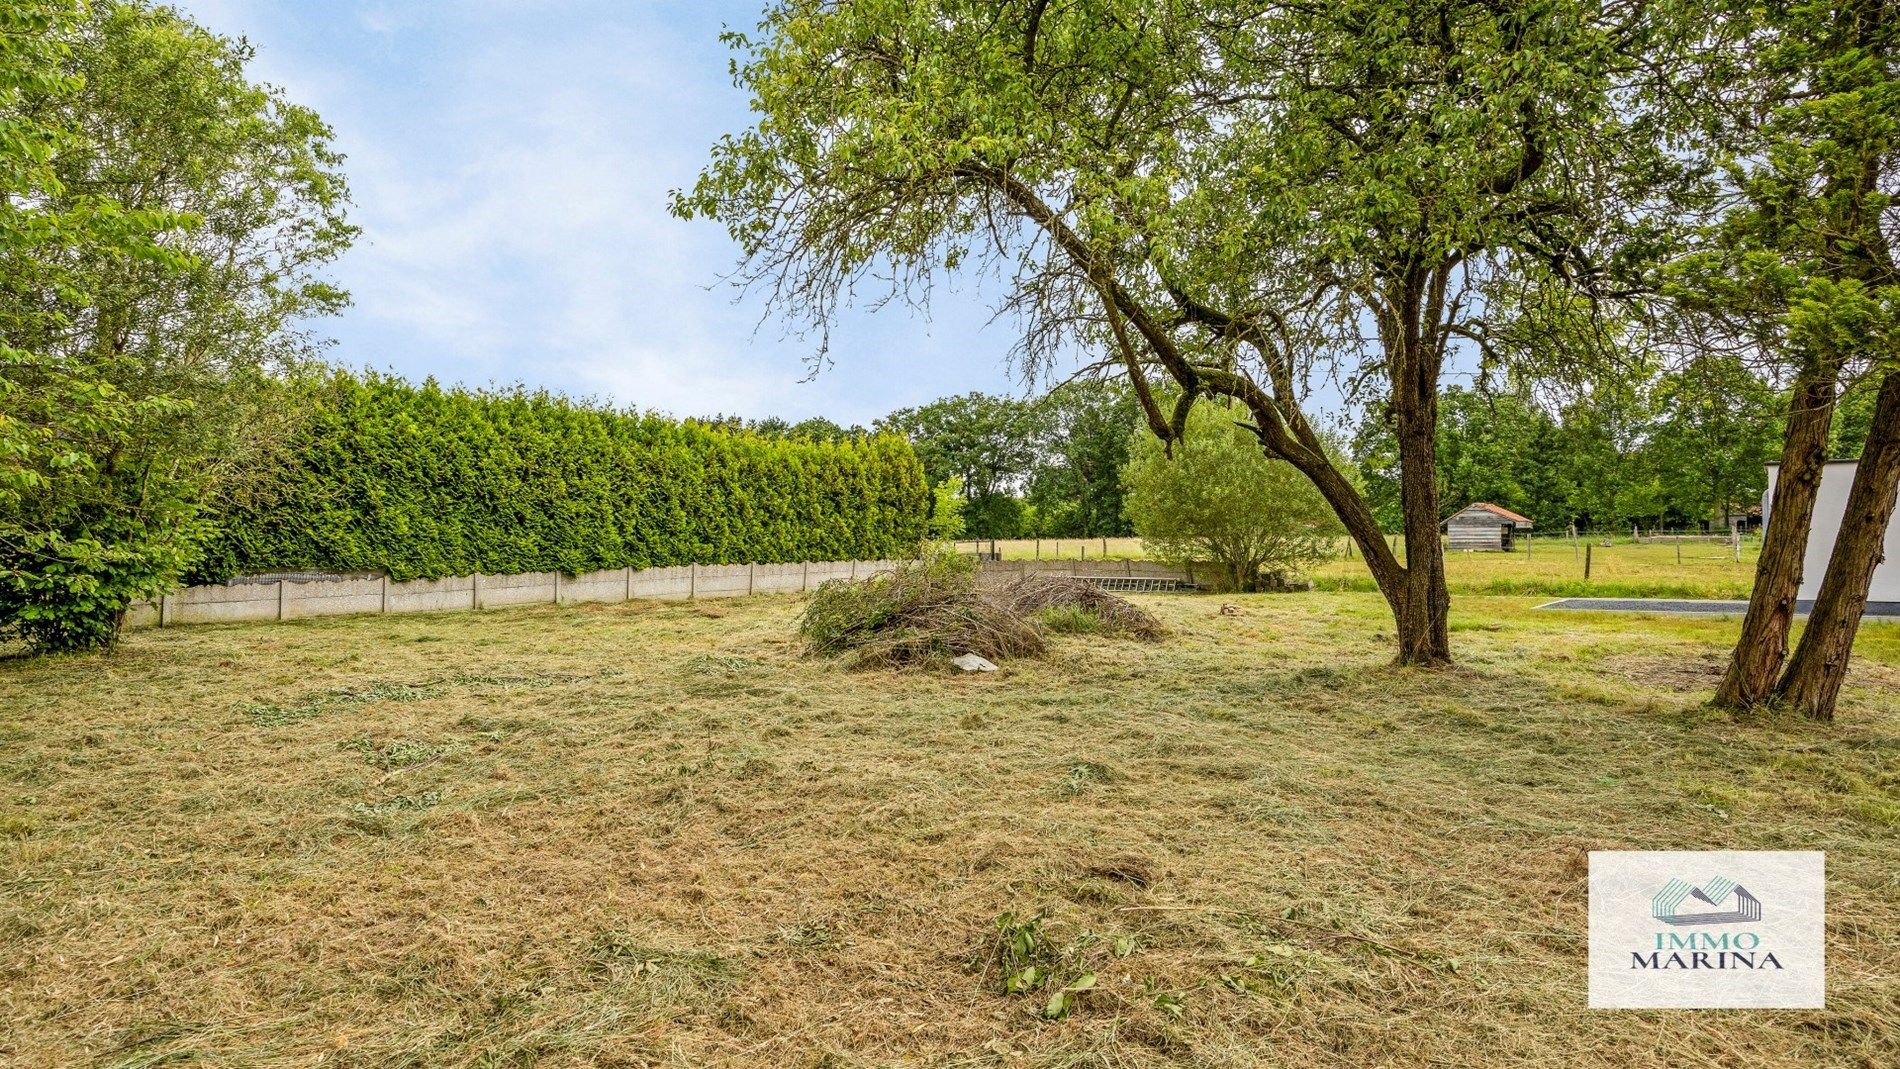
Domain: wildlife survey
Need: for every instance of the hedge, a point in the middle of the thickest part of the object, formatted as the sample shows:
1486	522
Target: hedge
425	482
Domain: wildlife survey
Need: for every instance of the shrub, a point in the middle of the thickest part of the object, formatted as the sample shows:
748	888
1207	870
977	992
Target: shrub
425	482
1219	498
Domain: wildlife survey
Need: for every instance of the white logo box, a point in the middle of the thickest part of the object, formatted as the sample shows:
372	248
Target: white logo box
1708	929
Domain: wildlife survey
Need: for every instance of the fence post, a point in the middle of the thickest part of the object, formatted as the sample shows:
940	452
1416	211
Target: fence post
557	586
1128	567
383	605
692	580
1586	562
804	576
475	590
629	596
751	570
280	599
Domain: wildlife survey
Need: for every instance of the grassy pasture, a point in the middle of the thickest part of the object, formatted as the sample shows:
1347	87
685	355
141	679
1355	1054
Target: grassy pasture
653	834
1551	567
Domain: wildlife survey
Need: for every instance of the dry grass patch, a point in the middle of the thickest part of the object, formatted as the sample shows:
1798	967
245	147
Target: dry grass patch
659	835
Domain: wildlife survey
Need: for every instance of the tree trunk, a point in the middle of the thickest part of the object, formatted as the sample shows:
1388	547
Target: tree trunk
1763	644
1423	609
1815	673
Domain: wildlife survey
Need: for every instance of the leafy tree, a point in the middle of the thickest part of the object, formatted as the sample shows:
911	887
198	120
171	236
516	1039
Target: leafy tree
986	442
946	511
161	241
1804	127
1217	194
1075	487
1215	496
1718	428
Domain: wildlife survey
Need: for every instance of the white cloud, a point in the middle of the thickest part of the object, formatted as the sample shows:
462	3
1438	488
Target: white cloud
510	165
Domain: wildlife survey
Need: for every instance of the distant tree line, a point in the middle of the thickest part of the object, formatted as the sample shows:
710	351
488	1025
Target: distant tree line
1682	448
1047	466
1687	448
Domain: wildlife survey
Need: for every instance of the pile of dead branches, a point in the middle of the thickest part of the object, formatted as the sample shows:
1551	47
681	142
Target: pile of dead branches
934	609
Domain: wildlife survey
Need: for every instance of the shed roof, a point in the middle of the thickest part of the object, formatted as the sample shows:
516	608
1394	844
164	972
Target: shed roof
1499	511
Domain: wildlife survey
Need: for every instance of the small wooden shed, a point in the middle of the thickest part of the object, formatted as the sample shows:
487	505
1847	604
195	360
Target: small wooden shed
1484	526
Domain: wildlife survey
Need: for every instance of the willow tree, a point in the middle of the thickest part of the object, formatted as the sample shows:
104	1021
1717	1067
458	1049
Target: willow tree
1231	199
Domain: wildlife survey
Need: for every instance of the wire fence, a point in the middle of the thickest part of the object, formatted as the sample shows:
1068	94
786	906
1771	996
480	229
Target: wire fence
1637	562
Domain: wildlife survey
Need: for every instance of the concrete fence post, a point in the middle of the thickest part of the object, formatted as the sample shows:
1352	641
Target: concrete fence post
629	596
804	576
383	607
692	580
280	599
475	590
751	570
557	586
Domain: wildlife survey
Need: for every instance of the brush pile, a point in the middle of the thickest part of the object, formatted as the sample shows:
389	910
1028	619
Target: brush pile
935	609
1062	601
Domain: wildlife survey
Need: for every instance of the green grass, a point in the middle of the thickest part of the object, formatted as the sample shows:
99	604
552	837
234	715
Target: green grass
1542	567
657	835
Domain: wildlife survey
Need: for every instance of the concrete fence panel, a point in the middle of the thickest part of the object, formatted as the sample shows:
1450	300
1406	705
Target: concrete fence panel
778	578
302	597
332	597
433	595
523	588
235	603
675	581
608	584
723	581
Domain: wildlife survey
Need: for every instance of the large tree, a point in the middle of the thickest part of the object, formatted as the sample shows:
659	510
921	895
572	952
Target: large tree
1716	429
141	370
1075	488
1220	195
987	443
1799	265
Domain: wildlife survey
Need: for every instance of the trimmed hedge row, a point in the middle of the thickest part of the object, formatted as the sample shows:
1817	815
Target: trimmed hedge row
427	482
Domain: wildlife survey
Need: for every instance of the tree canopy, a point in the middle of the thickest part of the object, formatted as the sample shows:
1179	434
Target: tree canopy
164	221
1217	195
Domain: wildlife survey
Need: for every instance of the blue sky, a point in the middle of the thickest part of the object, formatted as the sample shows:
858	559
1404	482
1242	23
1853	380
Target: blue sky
509	161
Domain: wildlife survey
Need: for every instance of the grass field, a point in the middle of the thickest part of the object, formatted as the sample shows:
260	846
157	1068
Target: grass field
1551	567
654	834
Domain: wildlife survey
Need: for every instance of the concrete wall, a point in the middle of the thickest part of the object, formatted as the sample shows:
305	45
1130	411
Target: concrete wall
301	598
1830	507
250	600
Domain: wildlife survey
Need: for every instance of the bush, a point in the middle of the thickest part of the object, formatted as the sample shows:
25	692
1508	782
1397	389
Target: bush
1220	498
425	482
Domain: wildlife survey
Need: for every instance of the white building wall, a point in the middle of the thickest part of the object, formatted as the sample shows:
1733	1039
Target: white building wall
1830	506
